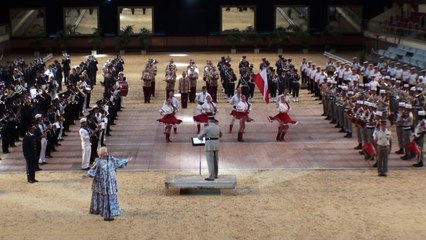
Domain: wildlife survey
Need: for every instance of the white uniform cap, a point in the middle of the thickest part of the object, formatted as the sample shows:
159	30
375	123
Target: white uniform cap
350	93
413	89
359	102
382	91
421	113
373	105
361	84
378	113
83	120
405	85
419	89
408	106
37	116
401	104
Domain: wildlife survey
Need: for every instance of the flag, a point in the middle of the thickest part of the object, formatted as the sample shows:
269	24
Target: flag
261	81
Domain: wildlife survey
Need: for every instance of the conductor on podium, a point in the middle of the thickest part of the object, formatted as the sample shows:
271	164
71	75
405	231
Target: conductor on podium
212	134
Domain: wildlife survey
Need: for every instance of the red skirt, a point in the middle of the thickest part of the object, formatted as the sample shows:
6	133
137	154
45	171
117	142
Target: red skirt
413	147
283	118
202	118
241	115
169	119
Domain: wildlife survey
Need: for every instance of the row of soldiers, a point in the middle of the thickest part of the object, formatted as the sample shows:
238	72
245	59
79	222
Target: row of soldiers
357	98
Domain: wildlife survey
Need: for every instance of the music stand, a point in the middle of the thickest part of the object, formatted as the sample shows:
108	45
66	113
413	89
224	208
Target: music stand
197	142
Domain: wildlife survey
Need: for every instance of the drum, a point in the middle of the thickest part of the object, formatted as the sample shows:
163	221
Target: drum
124	88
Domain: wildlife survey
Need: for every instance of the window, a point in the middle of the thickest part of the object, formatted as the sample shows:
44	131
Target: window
237	17
27	22
80	21
137	17
345	19
286	16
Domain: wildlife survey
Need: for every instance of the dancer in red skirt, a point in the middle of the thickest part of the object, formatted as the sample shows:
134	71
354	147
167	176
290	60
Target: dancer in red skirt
241	112
207	109
168	112
282	117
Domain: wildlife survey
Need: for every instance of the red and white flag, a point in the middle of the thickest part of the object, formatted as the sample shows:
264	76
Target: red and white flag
261	81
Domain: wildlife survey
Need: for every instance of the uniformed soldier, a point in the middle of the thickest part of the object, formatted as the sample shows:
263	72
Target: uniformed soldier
383	139
212	134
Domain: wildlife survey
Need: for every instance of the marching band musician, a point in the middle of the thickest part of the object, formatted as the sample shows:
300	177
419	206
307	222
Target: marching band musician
212	77
66	62
241	113
419	133
168	112
192	73
208	108
153	66
170	77
43	137
407	123
283	118
147	78
86	145
184	89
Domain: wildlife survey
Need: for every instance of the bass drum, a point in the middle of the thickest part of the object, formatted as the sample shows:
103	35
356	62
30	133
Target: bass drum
124	88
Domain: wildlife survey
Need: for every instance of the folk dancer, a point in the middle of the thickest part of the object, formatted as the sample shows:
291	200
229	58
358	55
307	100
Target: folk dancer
168	112
283	118
241	113
209	108
234	102
175	103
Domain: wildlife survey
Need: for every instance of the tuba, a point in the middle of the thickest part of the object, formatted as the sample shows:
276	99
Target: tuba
330	71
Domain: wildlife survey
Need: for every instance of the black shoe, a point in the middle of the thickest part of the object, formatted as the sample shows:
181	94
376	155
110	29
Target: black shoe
348	135
405	158
361	152
400	151
358	147
31	181
35	180
337	126
324	114
108	219
382	175
209	179
375	164
342	130
85	168
327	118
333	122
38	169
13	145
420	164
64	135
6	152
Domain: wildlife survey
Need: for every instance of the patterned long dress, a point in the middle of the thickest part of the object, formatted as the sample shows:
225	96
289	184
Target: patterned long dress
104	188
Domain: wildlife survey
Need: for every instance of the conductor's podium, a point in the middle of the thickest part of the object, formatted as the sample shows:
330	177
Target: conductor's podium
198	182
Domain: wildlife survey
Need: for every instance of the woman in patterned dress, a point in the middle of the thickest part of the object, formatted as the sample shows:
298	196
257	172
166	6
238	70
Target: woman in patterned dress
104	188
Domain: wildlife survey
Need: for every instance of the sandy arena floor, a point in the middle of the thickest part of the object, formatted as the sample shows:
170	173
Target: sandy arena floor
279	204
